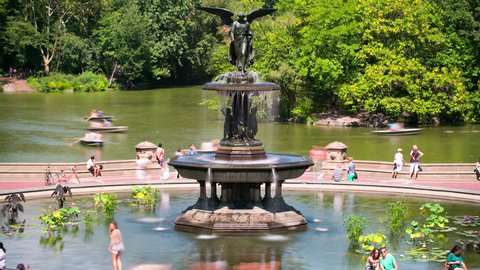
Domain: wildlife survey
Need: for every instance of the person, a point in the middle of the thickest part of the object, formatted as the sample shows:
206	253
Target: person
477	169
178	154
93	168
193	150
337	173
100	113
21	266
398	162
10	72
415	155
142	162
455	259
387	262
160	155
3	254
116	245
352	174
93	113
373	260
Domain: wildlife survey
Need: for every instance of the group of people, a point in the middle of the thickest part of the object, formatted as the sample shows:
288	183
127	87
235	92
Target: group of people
398	162
94	113
93	136
380	259
3	259
351	172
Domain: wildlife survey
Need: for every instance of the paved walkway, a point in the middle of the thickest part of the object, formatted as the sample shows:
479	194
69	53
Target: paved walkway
308	180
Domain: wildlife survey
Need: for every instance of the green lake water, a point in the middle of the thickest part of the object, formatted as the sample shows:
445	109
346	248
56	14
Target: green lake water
42	127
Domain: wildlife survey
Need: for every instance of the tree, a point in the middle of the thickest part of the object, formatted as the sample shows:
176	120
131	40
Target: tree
400	74
124	41
46	22
181	46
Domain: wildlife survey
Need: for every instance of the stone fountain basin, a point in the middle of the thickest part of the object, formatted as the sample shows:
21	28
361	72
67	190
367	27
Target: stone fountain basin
241	171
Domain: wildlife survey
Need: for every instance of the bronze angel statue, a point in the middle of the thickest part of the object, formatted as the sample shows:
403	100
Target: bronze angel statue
241	47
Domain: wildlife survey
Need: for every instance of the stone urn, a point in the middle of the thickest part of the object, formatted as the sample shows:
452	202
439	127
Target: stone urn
336	151
146	149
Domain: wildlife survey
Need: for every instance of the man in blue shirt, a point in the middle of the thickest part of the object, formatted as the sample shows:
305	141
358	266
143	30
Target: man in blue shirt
387	262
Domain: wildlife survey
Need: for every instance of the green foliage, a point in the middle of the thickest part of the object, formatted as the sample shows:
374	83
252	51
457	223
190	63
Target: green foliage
144	196
211	103
371	241
124	43
434	215
396	216
433	219
57	220
89	217
58	82
354	225
107	203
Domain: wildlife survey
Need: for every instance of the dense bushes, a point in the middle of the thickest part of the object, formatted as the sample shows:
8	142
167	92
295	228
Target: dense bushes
59	82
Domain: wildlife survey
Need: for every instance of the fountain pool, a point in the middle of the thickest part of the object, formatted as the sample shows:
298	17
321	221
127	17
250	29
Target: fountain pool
150	238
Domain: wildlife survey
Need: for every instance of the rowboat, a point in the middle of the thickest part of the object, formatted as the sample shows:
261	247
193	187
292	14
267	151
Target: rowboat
403	131
91	142
108	129
99	118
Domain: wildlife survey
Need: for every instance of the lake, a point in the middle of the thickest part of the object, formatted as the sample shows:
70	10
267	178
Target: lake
40	127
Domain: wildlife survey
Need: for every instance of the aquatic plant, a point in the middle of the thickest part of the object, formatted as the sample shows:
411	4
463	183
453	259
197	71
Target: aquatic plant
424	254
13	228
397	213
144	196
466	220
432	220
106	203
354	225
372	240
13	206
89	217
57	220
61	193
434	215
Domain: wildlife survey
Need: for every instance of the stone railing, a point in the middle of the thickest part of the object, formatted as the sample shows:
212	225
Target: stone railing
431	171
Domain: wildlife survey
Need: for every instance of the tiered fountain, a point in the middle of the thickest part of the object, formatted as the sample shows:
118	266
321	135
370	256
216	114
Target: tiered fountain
240	165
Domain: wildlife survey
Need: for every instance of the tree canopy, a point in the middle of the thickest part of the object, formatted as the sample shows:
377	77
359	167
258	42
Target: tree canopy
412	60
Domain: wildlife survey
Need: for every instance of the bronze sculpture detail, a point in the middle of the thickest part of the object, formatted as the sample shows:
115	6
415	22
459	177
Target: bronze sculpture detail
241	52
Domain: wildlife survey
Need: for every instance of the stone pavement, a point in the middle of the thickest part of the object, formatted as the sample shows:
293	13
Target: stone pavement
468	189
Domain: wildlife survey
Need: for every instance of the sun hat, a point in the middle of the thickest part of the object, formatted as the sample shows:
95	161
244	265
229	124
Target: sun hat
399	150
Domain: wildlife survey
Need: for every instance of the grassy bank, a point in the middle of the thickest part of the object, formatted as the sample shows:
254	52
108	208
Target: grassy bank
59	82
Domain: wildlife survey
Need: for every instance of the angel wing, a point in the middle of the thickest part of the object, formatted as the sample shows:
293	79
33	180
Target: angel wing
225	14
257	13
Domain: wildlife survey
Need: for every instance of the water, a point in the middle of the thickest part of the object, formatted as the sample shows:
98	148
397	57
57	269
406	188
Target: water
150	238
41	128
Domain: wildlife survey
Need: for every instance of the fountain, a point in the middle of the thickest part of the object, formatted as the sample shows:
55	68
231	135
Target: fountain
240	166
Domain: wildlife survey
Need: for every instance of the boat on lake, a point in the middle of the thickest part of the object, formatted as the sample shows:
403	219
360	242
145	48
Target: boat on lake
91	142
108	129
403	131
99	118
398	129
